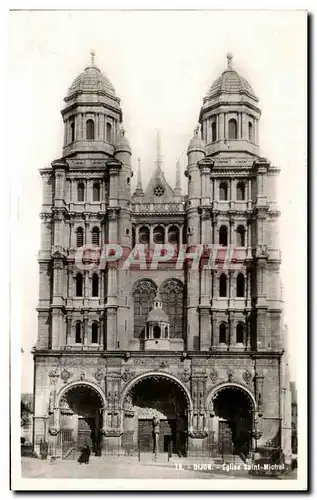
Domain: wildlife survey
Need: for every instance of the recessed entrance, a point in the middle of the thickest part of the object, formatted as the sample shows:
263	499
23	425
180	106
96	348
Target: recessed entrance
163	399
81	418
233	409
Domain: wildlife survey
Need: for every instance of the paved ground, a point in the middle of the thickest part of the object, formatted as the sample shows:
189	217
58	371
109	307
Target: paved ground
113	468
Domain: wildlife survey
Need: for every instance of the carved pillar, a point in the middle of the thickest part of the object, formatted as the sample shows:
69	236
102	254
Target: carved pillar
85	331
68	328
258	389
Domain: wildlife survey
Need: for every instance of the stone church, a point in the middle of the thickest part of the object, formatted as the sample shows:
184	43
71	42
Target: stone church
160	357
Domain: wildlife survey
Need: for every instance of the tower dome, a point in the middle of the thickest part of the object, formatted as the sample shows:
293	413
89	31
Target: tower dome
230	82
230	115
92	114
91	80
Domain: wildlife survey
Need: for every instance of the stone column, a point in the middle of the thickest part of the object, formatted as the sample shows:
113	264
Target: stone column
85	330
68	328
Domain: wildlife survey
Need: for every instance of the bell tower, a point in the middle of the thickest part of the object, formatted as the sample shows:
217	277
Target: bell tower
91	114
230	115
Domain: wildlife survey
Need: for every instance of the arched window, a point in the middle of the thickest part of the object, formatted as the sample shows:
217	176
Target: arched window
78	337
240	285
80	191
96	191
79	285
79	237
223	191
156	332
172	294
72	130
108	132
223	236
94	333
240	236
240	333
223	286
232	129
166	332
95	236
90	130
133	237
222	333
240	191
213	131
158	234
144	235
173	235
95	285
251	135
143	298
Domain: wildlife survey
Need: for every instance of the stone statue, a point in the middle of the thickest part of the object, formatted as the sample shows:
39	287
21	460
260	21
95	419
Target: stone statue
156	425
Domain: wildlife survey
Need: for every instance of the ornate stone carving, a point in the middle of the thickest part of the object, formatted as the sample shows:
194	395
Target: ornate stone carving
112	432
99	375
247	376
127	375
213	375
262	252
197	434
53	377
172	286
128	404
186	375
145	286
230	375
65	375
82	375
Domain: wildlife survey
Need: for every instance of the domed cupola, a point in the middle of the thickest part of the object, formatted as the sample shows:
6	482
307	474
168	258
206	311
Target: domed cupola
91	115
230	115
157	327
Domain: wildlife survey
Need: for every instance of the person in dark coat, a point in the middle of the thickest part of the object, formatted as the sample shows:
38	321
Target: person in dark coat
85	454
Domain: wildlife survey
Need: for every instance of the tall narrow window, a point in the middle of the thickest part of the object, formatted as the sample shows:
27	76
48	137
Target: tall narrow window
79	285
240	285
173	235
213	131
232	129
144	235
240	191
95	236
94	333
133	237
95	285
223	191
223	236
79	237
223	286
72	130
240	333
222	333
80	191
78	337
90	130
240	236
251	135
158	234
96	191
109	132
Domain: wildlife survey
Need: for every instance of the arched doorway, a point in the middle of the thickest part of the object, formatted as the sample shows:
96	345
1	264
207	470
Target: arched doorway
164	399
233	410
81	417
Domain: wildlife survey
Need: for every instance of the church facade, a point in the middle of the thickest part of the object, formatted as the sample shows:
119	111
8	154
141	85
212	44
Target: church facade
140	346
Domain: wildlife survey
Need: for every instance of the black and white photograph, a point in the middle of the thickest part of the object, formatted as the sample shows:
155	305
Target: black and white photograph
158	308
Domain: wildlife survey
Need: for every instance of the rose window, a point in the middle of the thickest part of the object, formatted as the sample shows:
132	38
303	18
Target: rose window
158	191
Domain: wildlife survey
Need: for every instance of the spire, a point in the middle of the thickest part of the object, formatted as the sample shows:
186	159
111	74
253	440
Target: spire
138	189
177	190
92	54
229	61
159	163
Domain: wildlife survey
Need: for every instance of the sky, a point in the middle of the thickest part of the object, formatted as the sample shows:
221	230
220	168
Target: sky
161	64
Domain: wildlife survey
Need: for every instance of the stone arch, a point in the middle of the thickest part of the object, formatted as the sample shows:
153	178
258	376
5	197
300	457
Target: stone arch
228	385
137	282
90	385
144	291
172	378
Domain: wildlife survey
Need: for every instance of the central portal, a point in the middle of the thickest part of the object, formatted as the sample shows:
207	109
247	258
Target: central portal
157	409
